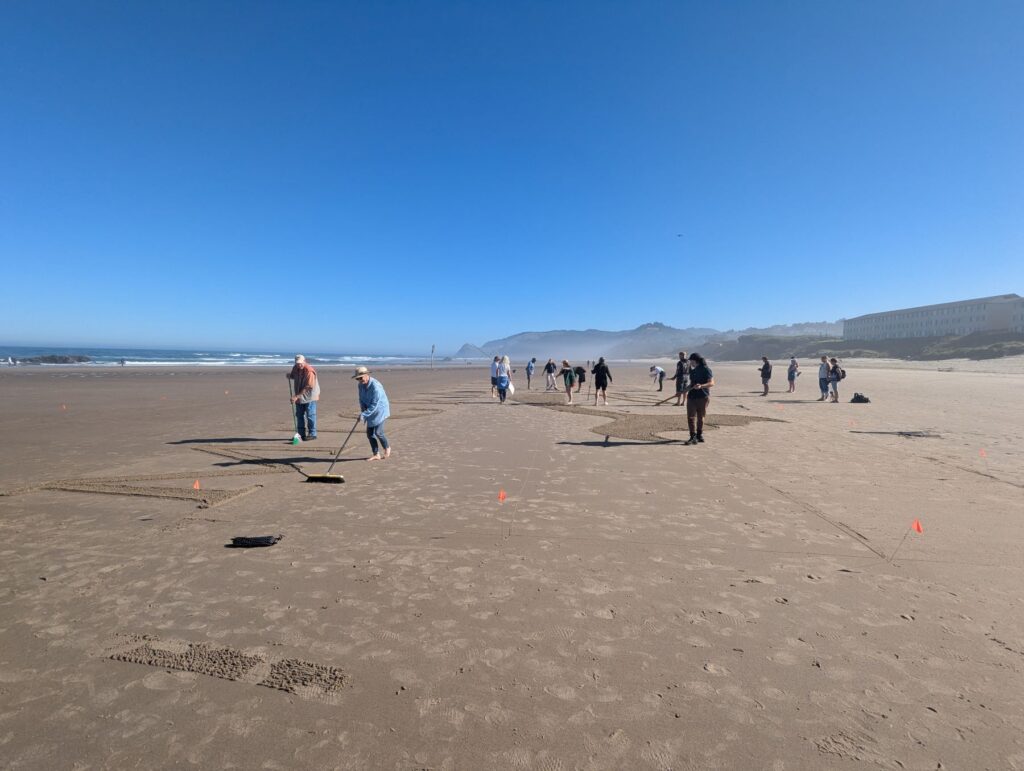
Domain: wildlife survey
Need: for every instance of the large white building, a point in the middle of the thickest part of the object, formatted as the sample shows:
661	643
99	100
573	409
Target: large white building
1001	313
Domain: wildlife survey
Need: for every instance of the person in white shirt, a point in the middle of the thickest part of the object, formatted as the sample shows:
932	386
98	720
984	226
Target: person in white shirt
823	369
494	376
658	375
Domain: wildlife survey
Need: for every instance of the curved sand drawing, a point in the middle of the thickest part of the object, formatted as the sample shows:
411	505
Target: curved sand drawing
650	427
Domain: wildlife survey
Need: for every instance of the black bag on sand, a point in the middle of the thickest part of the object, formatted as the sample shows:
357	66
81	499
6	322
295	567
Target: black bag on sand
247	542
860	399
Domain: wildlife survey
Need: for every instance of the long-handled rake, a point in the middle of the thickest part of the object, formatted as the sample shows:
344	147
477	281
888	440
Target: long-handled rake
329	478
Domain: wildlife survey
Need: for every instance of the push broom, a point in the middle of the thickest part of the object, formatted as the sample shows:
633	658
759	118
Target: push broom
329	478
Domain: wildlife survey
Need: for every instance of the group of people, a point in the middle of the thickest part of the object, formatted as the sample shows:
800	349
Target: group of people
681	376
374	408
572	377
830	373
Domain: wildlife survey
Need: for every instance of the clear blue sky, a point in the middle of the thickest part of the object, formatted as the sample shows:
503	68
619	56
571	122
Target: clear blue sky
381	176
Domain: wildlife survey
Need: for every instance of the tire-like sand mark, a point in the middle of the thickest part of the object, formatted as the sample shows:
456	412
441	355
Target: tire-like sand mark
302	678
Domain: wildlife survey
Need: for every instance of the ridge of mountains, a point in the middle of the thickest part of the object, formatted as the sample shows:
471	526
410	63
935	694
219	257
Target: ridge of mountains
652	340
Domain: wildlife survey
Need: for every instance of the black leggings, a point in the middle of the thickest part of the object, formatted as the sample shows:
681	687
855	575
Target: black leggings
695	411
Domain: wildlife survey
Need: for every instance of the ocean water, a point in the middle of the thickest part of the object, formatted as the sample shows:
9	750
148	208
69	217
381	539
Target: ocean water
153	357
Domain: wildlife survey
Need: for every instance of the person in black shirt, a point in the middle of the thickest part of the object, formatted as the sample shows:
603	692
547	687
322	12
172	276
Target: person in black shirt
682	378
602	377
549	374
581	377
701	380
766	373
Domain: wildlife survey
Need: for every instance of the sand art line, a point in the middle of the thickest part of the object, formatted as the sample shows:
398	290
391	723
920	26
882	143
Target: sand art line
860	538
302	678
206	499
633	426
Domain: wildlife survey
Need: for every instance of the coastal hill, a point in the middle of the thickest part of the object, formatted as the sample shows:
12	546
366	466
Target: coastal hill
979	345
653	340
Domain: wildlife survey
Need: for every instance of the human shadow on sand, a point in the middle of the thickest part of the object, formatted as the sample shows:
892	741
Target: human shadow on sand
228	440
621	443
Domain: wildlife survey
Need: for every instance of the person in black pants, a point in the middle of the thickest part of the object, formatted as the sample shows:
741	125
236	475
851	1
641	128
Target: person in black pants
701	380
766	373
602	377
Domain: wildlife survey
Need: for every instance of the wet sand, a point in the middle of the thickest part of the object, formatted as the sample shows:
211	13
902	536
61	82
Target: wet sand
633	602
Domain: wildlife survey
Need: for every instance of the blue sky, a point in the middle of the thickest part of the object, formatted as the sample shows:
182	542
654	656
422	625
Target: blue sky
382	176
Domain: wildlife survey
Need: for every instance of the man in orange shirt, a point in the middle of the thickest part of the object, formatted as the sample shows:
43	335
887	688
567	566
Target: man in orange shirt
306	394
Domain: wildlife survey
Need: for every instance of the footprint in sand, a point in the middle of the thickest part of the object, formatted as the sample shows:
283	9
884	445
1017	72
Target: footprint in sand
715	669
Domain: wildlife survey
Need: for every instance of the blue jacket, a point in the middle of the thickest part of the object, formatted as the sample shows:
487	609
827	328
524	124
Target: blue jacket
374	403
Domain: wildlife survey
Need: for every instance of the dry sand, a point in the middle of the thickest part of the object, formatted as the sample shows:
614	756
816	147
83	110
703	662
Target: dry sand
634	603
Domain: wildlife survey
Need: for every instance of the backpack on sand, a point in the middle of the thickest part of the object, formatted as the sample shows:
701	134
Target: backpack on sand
860	399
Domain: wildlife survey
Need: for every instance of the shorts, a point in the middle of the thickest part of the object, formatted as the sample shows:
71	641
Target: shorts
494	381
682	385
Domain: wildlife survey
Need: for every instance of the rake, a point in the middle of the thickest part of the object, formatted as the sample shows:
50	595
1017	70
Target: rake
329	478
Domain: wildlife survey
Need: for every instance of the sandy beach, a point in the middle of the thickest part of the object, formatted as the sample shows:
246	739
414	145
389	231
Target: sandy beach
632	603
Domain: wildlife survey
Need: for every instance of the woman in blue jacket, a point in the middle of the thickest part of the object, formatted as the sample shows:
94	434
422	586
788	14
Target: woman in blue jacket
374	410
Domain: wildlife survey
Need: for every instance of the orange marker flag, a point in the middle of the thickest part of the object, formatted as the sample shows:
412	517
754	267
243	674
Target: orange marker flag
916	524
501	496
982	453
195	485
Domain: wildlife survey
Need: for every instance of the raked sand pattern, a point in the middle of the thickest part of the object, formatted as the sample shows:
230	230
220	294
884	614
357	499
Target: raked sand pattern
630	604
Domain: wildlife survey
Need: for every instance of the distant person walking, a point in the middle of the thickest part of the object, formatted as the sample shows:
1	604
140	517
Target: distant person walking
701	381
658	375
530	366
835	374
494	376
792	373
549	372
581	377
823	370
766	374
602	377
374	409
305	395
504	378
568	378
682	378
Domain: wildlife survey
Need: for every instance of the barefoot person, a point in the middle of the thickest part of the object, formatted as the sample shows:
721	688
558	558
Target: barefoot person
568	377
701	380
792	374
374	410
494	376
602	377
530	366
306	393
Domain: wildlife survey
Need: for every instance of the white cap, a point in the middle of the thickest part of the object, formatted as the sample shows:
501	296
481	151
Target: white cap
299	357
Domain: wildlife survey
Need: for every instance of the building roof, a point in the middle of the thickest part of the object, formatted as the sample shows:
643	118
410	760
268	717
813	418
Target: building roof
993	298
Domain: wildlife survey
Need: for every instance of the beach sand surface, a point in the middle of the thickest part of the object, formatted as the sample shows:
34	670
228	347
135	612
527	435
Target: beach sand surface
631	603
